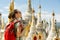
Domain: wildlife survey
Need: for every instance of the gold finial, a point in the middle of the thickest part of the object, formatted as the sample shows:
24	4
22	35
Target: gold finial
33	10
0	14
39	6
53	14
11	6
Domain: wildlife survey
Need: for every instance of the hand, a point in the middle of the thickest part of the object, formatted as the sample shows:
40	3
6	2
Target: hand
18	34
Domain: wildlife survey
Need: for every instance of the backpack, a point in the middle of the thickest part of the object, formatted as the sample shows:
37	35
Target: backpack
10	32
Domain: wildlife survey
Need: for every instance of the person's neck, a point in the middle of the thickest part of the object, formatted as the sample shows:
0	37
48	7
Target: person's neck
18	18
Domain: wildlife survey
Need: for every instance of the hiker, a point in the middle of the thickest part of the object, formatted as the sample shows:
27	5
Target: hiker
9	30
18	25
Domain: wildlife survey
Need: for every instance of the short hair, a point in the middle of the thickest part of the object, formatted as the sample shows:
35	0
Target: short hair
16	11
11	15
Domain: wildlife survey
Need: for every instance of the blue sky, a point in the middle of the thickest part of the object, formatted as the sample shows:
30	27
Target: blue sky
47	7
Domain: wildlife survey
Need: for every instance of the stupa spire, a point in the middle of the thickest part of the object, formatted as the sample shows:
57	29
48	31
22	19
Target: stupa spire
39	13
29	6
53	21
11	5
39	21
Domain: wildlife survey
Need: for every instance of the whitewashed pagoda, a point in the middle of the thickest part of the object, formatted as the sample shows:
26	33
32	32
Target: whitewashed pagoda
32	28
53	34
28	15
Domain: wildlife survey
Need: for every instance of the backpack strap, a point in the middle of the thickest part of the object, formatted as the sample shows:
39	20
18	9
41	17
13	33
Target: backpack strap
7	26
20	26
17	22
15	30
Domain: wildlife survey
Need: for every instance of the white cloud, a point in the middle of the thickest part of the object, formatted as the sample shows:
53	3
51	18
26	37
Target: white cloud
7	7
5	15
1	10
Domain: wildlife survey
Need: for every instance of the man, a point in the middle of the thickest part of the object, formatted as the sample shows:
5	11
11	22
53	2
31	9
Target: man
9	30
18	25
15	27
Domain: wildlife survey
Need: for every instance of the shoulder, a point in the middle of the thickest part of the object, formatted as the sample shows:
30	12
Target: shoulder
16	23
9	25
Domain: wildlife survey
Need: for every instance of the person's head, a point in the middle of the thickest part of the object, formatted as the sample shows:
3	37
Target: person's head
11	16
17	13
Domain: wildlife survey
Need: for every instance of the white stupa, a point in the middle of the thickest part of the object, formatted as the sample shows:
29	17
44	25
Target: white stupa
28	15
40	31
32	29
52	33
